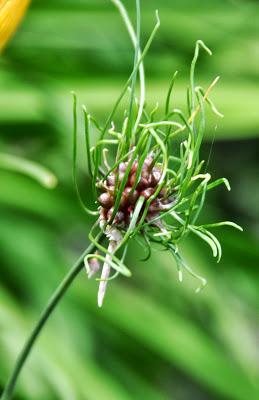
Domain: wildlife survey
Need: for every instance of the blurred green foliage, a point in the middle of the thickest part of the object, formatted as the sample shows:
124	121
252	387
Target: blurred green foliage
154	338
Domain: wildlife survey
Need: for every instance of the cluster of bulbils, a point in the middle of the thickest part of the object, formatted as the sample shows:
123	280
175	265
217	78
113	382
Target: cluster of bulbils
139	185
146	186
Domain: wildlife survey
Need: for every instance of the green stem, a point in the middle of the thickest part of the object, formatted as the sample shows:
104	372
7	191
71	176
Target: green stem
51	305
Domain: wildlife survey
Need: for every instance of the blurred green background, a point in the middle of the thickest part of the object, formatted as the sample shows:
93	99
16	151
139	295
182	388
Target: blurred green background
154	338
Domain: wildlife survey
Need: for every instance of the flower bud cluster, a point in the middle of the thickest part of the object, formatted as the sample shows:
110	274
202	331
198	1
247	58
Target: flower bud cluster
146	186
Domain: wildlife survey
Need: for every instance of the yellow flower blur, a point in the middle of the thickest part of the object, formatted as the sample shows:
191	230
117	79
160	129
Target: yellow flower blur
11	13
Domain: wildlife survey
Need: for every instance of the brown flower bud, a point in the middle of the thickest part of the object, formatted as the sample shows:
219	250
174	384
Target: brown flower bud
121	176
103	216
154	206
111	179
94	266
103	213
156	175
106	200
109	213
123	200
145	174
147	192
143	183
132	179
148	162
119	217
122	167
131	197
134	167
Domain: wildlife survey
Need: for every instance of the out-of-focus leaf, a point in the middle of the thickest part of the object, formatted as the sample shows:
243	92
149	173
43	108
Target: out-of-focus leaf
240	121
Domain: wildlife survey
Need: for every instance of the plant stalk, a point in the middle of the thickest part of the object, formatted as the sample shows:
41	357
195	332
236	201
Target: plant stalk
46	313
